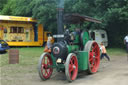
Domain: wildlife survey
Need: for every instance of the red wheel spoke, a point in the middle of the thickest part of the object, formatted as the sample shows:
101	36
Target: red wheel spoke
46	71
92	64
71	62
95	62
94	47
90	59
70	68
91	54
96	57
93	69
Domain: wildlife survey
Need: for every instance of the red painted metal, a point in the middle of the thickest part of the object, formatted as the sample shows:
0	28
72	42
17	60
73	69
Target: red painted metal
94	57
73	68
45	69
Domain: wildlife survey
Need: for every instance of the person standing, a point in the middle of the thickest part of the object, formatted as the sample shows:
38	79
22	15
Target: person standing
49	44
126	42
104	52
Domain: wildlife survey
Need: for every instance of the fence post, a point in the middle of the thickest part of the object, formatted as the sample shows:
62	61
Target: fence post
13	56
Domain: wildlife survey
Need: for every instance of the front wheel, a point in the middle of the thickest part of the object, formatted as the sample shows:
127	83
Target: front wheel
44	68
71	67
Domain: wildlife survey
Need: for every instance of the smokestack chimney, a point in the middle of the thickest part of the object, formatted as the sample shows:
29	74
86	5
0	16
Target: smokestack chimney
60	26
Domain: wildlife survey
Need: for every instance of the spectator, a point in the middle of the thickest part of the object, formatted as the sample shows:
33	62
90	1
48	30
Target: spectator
49	44
104	52
126	42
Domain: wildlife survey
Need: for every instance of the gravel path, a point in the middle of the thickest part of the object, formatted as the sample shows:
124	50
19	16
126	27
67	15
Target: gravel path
114	72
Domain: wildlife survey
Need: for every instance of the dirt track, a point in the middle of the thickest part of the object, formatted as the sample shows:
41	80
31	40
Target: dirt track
114	72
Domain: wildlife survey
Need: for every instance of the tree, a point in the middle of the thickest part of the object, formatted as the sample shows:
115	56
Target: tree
113	13
115	17
9	7
2	3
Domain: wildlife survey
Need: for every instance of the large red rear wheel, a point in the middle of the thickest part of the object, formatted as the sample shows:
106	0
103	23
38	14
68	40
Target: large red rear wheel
71	67
93	56
44	68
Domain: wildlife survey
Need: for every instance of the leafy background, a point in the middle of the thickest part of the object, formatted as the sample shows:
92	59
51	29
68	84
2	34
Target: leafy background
113	13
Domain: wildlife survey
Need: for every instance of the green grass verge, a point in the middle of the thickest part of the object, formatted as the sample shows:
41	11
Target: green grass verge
116	52
31	55
27	56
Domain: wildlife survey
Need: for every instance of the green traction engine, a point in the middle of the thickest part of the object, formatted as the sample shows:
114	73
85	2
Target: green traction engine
73	52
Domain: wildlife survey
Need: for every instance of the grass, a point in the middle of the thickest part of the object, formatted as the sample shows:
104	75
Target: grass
30	56
116	52
28	61
27	56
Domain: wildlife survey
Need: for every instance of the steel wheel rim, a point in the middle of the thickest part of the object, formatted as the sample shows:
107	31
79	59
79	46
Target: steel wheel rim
73	68
94	57
45	67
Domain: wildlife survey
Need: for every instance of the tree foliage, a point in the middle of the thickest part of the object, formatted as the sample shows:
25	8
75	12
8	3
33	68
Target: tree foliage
2	3
113	13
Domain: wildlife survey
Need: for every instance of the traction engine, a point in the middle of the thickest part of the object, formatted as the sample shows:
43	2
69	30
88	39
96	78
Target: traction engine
73	52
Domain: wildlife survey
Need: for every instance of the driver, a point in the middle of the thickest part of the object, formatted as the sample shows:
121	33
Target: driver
67	36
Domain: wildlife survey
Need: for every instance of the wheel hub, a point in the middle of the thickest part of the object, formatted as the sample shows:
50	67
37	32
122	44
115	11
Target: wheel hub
45	66
74	67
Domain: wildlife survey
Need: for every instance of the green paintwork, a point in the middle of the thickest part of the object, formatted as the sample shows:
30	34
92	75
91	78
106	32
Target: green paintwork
53	60
72	48
82	57
58	67
85	37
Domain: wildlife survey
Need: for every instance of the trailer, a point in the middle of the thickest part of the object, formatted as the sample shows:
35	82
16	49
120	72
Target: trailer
22	31
99	36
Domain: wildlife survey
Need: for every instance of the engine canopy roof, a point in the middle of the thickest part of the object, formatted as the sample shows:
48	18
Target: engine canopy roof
77	19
